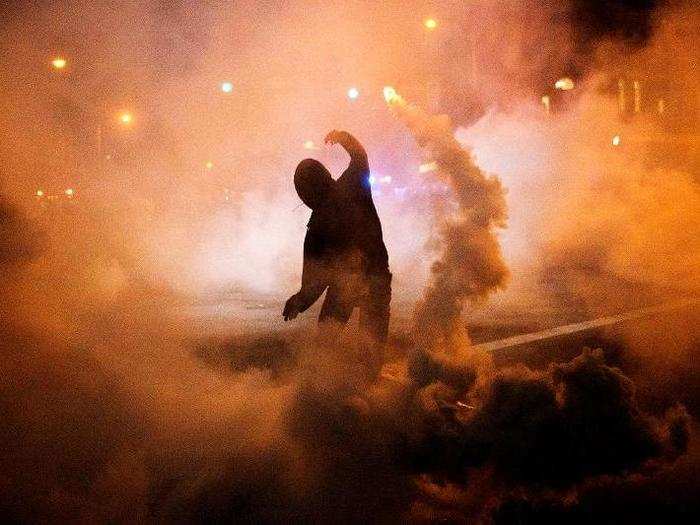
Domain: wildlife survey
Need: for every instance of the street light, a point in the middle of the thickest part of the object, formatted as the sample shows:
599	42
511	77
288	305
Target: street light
390	94
564	84
125	117
427	167
59	63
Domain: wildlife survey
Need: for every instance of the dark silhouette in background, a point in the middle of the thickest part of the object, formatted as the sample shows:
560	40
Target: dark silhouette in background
344	250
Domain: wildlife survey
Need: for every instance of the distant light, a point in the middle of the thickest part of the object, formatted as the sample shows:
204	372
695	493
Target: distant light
209	165
70	192
430	23
39	193
126	117
390	94
564	84
616	140
386	179
637	90
353	93
226	87
309	144
59	63
427	167
661	106
546	102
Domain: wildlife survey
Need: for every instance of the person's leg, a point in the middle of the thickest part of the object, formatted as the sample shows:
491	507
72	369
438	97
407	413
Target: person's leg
374	322
375	309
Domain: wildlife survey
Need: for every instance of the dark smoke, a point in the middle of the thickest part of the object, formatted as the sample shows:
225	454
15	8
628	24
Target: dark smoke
578	420
575	427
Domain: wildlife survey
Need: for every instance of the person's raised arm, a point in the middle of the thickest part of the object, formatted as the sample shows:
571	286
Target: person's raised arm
359	166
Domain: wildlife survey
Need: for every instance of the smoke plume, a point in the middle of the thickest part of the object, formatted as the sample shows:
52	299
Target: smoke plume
470	265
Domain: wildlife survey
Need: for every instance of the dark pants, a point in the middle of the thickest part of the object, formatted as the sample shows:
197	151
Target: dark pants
372	297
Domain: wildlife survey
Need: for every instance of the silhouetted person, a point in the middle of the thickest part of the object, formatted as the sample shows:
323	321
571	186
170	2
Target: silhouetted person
343	250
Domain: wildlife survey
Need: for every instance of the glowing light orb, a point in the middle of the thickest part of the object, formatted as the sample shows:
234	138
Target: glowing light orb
226	87
430	23
390	94
59	63
309	144
126	117
427	167
39	193
353	93
70	192
616	140
209	165
564	84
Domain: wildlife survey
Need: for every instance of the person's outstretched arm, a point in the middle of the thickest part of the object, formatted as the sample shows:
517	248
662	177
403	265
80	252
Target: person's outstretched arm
358	170
314	278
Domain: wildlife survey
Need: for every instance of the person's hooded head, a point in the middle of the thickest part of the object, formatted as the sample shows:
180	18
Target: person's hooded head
313	182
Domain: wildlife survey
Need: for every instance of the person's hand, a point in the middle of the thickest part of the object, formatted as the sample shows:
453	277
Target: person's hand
291	308
333	137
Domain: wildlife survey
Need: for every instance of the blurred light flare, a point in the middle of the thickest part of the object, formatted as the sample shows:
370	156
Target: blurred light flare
39	193
226	87
390	95
209	165
564	84
427	167
125	117
546	103
59	63
353	93
430	23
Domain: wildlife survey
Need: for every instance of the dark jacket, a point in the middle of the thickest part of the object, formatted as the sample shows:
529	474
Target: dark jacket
344	240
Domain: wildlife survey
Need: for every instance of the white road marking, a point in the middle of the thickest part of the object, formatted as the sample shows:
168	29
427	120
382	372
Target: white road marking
580	327
561	330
